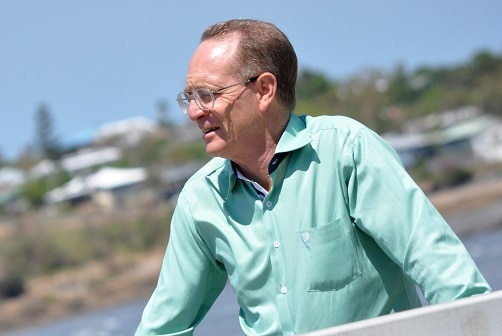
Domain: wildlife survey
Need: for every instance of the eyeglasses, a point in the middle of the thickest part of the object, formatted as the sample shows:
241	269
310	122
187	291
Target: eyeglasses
204	97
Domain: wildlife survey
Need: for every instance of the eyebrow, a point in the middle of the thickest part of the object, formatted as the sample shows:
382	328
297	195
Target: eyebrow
218	88
206	86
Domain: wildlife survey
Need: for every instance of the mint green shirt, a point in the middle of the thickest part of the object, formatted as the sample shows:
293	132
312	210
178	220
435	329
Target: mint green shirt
343	235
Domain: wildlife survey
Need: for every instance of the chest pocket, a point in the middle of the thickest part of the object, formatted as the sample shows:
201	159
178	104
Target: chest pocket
328	256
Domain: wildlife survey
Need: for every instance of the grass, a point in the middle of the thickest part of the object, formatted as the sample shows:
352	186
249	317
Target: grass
41	245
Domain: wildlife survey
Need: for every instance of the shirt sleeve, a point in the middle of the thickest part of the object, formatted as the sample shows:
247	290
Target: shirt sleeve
190	281
386	204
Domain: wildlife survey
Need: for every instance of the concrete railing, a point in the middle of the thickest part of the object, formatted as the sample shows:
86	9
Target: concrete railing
477	316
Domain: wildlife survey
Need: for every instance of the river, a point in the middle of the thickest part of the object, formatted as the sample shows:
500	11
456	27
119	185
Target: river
485	248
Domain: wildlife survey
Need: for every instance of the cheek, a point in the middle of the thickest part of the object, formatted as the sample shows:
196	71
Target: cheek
240	120
245	130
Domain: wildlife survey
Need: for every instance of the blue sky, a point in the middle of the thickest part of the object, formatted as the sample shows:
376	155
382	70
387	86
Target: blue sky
97	61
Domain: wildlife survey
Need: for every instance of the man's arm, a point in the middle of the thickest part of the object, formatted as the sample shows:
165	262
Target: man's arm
189	281
387	204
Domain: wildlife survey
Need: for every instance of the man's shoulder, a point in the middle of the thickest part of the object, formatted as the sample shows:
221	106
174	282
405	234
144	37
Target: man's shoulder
333	122
212	166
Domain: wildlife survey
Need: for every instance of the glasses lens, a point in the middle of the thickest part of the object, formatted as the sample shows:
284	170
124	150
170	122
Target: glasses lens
183	100
204	98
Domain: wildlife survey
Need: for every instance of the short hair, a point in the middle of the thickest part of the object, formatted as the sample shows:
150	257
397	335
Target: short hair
262	48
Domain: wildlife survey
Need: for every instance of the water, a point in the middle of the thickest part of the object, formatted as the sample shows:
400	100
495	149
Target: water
123	320
485	248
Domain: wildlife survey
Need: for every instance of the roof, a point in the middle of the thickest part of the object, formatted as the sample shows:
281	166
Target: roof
112	178
131	129
462	130
90	158
86	158
83	137
107	178
11	176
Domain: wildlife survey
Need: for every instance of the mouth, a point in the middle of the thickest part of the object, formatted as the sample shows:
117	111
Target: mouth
209	130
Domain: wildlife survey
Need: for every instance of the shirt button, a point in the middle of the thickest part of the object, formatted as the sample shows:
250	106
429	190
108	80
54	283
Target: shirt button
277	244
269	204
306	237
284	289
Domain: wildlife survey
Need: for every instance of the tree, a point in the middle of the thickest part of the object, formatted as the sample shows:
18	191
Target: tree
2	159
311	84
400	92
484	62
163	113
46	139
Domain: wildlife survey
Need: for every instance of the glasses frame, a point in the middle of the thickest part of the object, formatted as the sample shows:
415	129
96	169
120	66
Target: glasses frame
183	98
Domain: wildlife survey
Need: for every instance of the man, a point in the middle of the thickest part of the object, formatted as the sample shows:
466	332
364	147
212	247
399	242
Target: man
313	221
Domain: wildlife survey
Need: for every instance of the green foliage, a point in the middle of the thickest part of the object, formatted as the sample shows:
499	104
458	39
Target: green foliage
484	62
189	151
426	90
147	152
44	248
34	190
401	89
157	151
46	138
311	84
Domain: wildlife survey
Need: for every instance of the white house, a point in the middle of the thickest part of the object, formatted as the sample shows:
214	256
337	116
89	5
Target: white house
128	131
74	163
455	138
108	187
488	144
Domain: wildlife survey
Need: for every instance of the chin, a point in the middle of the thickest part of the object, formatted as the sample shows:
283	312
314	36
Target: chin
218	148
214	151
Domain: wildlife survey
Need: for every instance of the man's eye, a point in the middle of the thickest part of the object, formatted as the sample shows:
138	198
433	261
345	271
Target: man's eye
205	97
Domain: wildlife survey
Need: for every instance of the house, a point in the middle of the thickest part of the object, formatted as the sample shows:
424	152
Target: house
82	138
452	139
10	177
82	161
126	132
173	179
488	145
109	188
11	180
89	158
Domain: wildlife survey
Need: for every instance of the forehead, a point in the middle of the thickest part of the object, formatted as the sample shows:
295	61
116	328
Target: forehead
213	61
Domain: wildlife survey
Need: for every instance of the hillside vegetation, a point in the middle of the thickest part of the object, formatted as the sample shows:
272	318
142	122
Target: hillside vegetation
384	101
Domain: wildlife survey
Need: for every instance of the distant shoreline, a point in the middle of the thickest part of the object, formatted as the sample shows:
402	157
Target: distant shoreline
471	208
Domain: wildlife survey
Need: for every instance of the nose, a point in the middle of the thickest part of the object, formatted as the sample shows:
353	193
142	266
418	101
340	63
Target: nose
194	111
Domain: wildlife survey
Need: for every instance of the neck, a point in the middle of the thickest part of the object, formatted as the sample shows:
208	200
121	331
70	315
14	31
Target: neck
256	169
255	162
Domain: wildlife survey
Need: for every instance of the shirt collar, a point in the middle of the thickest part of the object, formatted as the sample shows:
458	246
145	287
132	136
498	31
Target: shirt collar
295	136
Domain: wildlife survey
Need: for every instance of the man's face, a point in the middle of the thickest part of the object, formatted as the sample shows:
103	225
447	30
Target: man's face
230	125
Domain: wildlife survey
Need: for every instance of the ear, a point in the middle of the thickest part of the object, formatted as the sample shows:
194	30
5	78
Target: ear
266	87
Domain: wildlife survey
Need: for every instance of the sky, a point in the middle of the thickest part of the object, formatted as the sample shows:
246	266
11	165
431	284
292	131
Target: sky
96	61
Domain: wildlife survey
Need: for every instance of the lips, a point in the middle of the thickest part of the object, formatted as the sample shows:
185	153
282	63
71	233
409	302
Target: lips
208	130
